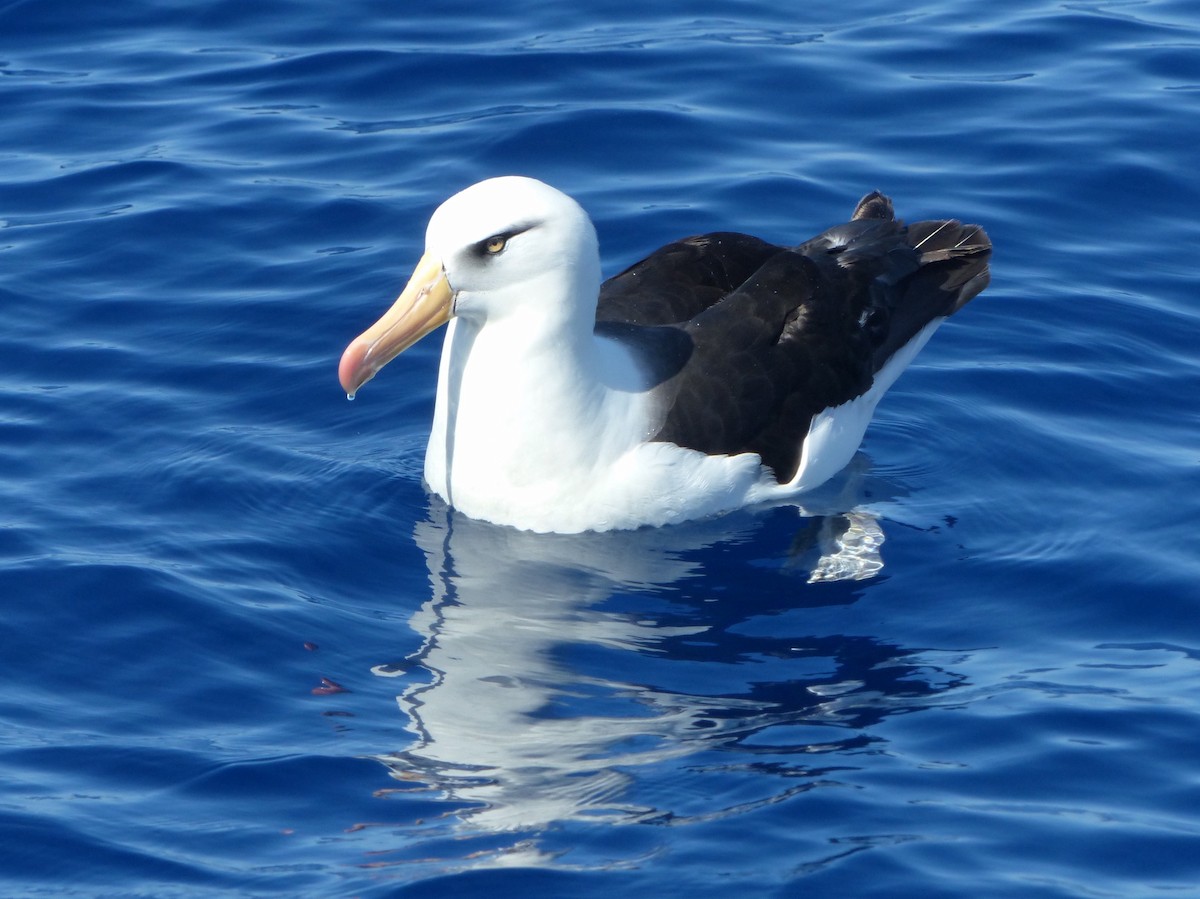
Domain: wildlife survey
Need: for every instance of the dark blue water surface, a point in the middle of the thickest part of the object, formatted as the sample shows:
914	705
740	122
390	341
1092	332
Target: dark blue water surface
201	540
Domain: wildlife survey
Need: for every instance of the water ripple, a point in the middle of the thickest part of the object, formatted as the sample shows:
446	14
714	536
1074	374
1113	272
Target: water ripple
200	537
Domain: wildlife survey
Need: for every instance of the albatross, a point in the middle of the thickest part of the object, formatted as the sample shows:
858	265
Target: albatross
719	372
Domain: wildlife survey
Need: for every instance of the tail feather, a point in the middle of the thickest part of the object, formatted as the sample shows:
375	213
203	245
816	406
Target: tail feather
874	206
920	272
958	253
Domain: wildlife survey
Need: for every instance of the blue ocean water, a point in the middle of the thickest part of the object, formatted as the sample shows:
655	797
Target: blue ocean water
245	653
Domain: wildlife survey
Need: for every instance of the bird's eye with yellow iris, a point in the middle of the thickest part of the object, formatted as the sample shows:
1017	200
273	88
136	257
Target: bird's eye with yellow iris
496	244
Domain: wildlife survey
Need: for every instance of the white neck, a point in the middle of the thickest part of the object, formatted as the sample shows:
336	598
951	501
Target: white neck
524	408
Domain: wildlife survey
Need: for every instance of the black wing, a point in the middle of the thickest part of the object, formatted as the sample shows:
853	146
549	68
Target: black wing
678	282
748	341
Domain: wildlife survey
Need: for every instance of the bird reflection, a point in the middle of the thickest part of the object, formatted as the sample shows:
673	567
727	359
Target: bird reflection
555	668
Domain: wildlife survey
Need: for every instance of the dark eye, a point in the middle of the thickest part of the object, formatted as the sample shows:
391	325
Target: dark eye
494	245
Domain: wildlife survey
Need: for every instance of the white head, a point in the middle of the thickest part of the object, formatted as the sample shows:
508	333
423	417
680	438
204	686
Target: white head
501	241
505	246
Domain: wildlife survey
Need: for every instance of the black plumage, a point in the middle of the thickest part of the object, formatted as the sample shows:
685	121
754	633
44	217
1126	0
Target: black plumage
747	341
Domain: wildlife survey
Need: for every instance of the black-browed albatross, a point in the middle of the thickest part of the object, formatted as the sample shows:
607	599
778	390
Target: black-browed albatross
720	371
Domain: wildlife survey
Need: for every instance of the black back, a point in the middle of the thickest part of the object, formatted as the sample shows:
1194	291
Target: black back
747	341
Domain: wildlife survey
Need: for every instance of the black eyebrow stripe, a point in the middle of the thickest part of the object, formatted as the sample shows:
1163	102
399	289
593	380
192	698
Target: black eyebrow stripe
480	246
514	231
